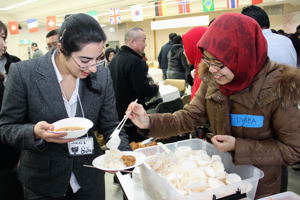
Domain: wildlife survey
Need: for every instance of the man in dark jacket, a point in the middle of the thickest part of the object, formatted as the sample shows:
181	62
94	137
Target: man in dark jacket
10	187
129	75
162	57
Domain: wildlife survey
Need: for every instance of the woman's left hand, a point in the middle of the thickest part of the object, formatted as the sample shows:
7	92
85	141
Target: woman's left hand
224	143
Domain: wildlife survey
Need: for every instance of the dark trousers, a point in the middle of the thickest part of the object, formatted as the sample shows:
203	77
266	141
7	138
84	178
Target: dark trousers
10	187
92	194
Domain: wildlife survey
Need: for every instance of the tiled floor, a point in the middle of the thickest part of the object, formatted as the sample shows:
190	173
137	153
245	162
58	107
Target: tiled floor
114	192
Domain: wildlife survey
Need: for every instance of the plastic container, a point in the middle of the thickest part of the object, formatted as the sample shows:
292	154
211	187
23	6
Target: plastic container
158	188
283	196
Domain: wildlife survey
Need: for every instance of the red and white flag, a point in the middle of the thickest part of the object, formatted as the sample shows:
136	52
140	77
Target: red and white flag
32	25
51	23
183	6
114	16
13	27
232	3
137	13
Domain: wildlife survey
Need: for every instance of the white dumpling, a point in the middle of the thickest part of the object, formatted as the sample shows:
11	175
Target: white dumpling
232	178
214	183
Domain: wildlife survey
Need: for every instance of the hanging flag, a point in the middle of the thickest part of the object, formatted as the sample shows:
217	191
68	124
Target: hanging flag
94	14
256	2
232	3
114	16
13	27
137	13
183	6
51	23
160	8
32	25
208	5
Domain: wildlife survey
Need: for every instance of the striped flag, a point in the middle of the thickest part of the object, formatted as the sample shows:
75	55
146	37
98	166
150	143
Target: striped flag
256	2
183	6
137	13
232	3
114	16
13	27
33	25
160	8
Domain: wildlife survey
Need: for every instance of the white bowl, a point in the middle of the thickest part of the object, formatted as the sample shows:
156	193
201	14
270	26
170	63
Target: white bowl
73	122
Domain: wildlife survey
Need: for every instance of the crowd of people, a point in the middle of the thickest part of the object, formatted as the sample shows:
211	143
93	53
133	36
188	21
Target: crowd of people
246	88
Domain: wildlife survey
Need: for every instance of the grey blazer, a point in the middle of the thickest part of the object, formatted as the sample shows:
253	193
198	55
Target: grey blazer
33	94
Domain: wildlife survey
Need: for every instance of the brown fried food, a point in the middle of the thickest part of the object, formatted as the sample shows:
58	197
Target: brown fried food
137	145
128	160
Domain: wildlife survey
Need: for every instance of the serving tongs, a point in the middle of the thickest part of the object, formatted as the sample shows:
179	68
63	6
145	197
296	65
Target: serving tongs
114	138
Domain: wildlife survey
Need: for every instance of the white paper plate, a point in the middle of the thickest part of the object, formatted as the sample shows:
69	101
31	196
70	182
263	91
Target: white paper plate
73	121
99	161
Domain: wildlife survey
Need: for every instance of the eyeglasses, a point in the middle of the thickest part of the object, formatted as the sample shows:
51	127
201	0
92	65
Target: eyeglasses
217	65
99	63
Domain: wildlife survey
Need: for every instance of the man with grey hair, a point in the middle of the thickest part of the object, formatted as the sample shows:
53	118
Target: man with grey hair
129	75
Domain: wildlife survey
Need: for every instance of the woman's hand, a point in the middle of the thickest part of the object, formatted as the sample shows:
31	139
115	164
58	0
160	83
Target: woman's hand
138	115
41	131
224	143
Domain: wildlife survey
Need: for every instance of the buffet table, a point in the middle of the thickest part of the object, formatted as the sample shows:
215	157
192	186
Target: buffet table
131	190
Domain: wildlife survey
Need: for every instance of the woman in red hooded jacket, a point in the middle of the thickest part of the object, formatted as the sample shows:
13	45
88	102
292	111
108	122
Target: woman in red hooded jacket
251	103
193	54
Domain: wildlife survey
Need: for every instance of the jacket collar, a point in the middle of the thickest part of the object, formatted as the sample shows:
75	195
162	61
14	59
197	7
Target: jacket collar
128	49
249	95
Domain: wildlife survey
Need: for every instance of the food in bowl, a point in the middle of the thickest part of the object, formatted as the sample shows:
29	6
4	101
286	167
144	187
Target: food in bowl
70	128
77	127
116	159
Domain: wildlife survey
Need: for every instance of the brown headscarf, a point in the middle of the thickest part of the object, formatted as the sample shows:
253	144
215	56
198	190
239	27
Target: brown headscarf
237	41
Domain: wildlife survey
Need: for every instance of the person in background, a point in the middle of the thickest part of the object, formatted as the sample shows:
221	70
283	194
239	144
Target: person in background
178	68
194	56
67	82
10	186
5	58
129	75
52	39
109	54
251	102
295	38
163	55
280	48
36	51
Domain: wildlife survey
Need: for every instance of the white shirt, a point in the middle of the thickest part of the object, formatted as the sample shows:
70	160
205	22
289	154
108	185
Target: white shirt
280	48
70	106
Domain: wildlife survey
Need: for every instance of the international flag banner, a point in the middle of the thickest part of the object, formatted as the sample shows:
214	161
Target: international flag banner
32	25
160	8
114	16
13	27
232	3
137	13
256	2
183	6
93	13
51	23
208	5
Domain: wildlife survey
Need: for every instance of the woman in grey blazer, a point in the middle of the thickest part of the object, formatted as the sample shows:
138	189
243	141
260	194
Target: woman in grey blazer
66	82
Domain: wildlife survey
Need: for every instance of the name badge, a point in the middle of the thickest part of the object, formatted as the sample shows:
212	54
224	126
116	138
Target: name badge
248	121
83	146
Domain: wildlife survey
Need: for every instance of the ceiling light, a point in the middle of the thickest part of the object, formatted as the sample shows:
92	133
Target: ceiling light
17	5
180	22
